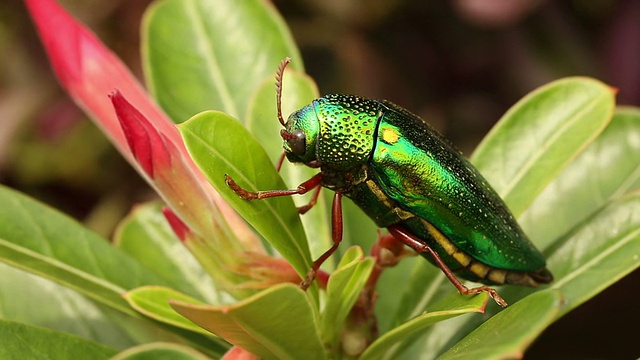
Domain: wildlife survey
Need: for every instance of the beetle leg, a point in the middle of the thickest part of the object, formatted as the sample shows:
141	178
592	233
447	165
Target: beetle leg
419	246
303	188
312	203
281	161
336	235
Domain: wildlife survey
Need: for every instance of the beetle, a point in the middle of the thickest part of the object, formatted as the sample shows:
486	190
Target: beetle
411	180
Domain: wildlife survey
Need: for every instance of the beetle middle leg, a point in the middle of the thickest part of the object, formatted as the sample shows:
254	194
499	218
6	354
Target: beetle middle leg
336	235
419	246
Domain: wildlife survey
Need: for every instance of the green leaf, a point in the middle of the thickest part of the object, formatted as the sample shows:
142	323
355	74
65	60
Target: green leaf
599	253
212	54
278	323
540	135
415	286
595	254
344	286
153	301
160	351
388	346
42	241
34	300
509	333
606	170
220	145
145	235
21	341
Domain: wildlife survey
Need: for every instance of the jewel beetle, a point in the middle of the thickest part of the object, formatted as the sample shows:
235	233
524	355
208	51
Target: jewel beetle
412	181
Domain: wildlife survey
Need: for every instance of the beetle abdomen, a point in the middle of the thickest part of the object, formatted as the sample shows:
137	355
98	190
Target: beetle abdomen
385	211
467	266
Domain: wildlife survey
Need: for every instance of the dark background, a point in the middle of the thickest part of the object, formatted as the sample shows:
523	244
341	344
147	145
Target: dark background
459	64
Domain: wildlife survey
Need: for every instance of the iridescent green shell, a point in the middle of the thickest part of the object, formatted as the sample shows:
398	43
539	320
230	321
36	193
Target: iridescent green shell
399	170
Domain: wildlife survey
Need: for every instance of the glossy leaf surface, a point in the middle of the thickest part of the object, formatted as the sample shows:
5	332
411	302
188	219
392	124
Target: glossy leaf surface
509	333
266	324
605	171
541	135
390	345
146	235
344	286
153	301
34	300
599	252
40	240
211	55
20	341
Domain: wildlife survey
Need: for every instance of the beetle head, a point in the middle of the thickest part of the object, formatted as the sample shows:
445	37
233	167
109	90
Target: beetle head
301	129
300	136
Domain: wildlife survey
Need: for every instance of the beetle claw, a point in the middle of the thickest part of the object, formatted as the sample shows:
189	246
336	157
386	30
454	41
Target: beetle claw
492	292
243	193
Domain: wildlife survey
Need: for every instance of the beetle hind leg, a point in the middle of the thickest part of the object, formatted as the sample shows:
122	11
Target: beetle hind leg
413	242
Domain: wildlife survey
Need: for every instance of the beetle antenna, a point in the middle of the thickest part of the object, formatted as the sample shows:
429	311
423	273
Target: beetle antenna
279	74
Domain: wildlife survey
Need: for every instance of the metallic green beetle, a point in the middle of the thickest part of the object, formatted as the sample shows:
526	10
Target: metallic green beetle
412	181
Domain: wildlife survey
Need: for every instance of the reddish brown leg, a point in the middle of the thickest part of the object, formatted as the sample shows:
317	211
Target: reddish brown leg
413	242
312	203
259	195
281	161
336	234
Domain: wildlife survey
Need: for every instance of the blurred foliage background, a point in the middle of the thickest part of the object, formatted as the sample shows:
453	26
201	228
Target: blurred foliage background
459	64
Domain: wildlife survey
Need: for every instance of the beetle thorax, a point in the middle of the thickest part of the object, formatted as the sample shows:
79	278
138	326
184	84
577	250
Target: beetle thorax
347	130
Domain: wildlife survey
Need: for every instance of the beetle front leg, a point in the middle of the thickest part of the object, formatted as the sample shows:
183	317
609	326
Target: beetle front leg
413	242
336	235
303	188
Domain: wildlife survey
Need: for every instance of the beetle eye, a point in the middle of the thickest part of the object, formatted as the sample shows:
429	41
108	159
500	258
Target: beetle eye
298	142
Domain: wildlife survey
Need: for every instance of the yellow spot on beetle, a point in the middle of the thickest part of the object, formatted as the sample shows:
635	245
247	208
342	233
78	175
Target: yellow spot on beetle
390	136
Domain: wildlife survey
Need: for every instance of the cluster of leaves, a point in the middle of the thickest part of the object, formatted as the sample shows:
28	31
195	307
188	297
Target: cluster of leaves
564	158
